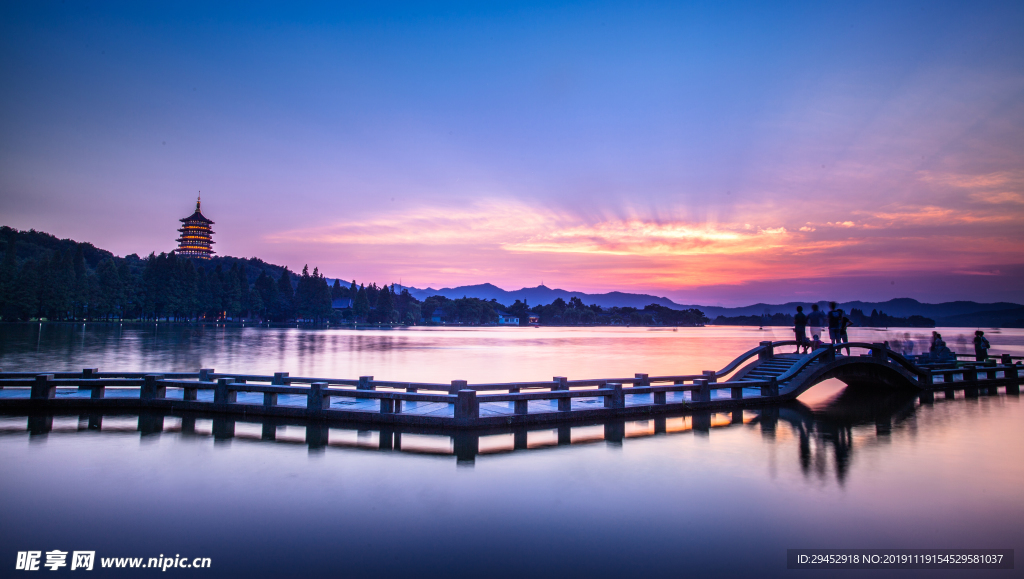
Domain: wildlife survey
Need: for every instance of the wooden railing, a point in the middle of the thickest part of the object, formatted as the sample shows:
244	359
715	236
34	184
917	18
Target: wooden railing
394	396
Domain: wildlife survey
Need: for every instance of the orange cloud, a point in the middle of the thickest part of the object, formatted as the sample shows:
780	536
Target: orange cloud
513	243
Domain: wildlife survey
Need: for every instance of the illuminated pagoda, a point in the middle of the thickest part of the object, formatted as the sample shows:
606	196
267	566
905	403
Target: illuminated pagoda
196	235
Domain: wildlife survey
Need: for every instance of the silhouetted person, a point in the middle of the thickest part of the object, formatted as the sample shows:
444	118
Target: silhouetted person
816	320
844	322
981	346
908	345
939	351
800	329
835	323
816	342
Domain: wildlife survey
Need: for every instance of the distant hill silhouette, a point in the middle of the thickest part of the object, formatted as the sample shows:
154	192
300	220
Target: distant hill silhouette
543	295
958	313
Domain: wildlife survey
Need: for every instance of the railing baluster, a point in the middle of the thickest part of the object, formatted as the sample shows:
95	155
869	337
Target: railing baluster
152	389
317	400
702	392
44	389
562	385
614	399
222	394
467	407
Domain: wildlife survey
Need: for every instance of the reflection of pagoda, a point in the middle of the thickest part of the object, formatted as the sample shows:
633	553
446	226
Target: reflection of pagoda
195	240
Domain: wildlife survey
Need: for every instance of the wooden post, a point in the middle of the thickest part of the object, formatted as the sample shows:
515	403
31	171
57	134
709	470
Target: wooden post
702	392
564	435
153	388
660	398
737	392
317	436
44	388
222	394
970	373
562	385
641	380
879	351
701	422
1011	373
467	407
520	406
830	354
519	439
456	386
771	389
366	383
317	400
768	353
615	399
709	375
206	374
466	445
387	406
97	391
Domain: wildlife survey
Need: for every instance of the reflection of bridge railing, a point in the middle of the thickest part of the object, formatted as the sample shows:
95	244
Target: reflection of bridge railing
832	425
460	404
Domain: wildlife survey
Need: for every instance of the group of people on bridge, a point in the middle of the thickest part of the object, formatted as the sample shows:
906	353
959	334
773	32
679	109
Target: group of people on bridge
837	323
835	320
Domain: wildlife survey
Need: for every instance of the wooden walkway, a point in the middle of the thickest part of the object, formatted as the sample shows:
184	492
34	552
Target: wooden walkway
759	377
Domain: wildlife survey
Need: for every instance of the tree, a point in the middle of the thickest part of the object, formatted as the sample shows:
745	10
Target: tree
385	311
267	290
361	304
111	289
285	295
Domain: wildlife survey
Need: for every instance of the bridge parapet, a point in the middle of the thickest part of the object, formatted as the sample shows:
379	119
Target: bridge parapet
474	405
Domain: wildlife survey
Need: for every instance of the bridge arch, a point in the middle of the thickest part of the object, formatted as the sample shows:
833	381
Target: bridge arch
860	371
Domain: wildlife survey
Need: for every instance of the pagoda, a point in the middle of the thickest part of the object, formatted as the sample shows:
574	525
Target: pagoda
195	240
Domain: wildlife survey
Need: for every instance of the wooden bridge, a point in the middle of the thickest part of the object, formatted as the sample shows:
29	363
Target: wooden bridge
759	377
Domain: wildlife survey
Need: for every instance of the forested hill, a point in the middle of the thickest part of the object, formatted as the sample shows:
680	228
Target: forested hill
37	246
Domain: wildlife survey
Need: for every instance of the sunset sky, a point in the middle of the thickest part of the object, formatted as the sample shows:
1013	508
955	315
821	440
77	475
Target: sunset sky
714	153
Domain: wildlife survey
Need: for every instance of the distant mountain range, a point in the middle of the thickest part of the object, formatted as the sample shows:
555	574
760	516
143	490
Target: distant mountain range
959	313
543	295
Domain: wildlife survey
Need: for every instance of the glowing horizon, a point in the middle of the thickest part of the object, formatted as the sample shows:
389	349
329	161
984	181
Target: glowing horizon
725	155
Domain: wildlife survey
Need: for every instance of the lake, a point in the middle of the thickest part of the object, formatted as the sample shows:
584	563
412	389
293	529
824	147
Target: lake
842	468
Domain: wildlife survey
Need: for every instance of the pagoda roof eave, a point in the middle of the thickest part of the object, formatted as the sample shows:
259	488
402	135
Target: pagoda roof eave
197	216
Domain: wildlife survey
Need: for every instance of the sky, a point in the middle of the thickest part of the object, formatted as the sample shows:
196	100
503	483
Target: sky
714	153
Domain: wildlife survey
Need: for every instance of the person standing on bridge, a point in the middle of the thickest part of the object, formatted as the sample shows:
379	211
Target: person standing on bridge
844	322
835	322
981	346
816	320
800	329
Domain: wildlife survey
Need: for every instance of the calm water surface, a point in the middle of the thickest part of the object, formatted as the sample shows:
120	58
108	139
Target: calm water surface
840	469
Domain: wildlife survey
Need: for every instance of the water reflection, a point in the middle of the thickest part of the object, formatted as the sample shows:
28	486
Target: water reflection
825	432
407	354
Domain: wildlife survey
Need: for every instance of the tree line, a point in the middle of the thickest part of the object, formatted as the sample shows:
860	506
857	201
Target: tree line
875	319
45	278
